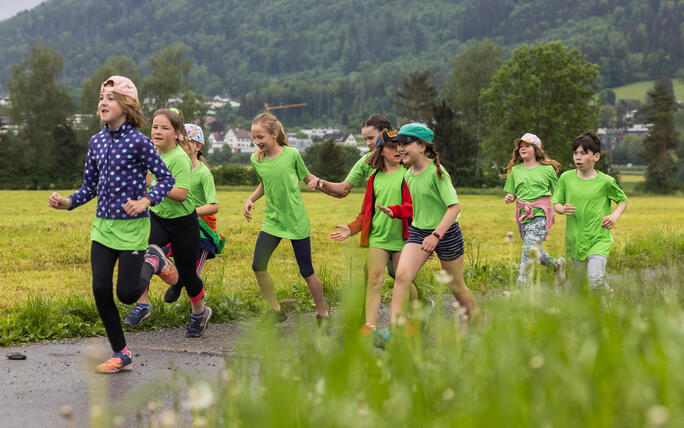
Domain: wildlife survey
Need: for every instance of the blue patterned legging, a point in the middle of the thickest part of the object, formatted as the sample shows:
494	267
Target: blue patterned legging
533	233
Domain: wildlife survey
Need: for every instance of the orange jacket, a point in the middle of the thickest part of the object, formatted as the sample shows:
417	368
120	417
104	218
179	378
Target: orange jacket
363	220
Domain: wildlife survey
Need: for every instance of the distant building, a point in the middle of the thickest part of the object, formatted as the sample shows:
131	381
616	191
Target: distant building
320	132
239	140
300	144
341	138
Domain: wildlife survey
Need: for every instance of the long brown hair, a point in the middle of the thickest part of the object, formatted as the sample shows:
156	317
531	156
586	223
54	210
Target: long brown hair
377	121
272	126
131	108
175	116
539	155
377	160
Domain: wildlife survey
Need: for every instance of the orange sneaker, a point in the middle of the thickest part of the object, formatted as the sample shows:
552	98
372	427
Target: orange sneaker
367	329
117	363
412	328
169	273
165	267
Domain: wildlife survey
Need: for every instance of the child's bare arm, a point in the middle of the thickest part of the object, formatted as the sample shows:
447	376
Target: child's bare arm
249	204
337	190
564	209
609	221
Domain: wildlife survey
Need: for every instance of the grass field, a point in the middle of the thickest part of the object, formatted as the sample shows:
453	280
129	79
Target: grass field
638	90
47	251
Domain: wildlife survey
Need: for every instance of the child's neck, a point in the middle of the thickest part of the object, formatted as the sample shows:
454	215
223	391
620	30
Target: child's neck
273	151
390	168
166	149
588	174
530	163
420	164
195	161
116	123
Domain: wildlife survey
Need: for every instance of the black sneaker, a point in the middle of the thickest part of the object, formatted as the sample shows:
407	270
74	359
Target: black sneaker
173	293
198	324
137	315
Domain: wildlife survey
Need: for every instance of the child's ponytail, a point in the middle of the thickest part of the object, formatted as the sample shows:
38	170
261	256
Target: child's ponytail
431	153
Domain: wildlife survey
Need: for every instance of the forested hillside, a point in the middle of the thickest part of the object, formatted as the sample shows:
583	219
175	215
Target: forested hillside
238	43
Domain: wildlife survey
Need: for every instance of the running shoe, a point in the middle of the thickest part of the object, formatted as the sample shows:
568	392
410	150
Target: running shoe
198	323
117	363
137	315
367	330
272	316
166	269
173	293
322	319
560	271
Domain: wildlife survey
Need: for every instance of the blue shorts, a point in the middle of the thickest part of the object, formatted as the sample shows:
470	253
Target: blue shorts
449	248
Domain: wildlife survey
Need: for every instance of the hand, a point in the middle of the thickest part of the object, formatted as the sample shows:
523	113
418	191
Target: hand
321	184
510	197
386	210
343	232
568	209
609	221
313	182
134	208
57	202
429	244
249	205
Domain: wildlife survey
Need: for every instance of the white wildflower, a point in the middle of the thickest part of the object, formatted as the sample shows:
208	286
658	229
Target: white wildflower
168	419
443	277
657	415
536	362
200	396
448	394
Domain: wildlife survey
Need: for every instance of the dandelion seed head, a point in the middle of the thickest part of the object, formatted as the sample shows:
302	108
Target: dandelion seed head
657	415
443	277
200	396
448	394
536	362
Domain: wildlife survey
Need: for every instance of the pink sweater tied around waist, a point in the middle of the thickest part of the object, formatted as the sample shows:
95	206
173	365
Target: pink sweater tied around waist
528	213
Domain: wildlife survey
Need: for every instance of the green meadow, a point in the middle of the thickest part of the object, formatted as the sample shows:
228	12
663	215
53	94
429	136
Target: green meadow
638	90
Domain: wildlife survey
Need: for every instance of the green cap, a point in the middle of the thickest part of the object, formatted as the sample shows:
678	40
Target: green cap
412	132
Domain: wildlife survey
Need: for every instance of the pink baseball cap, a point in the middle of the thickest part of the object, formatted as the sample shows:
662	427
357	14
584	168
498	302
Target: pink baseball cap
531	139
120	85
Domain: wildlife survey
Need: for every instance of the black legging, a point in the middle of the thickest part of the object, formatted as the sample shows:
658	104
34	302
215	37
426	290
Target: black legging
128	288
183	235
267	243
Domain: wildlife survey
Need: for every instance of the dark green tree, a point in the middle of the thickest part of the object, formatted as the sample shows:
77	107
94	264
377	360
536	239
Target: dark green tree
41	106
662	143
471	74
417	99
330	162
548	90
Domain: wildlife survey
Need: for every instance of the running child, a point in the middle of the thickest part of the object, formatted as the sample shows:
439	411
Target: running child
279	169
584	195
118	158
383	231
361	171
202	194
435	219
530	178
174	221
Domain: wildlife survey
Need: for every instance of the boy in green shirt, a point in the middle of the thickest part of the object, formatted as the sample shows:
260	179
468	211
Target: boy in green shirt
584	195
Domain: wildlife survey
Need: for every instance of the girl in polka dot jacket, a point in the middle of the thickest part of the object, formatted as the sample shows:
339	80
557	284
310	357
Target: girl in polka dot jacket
118	159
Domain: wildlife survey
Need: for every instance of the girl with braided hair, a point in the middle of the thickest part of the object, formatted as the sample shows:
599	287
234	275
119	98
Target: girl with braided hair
435	220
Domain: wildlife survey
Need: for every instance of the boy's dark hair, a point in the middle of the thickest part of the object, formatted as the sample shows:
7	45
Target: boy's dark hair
589	142
377	121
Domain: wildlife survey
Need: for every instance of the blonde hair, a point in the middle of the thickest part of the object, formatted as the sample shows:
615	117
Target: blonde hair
539	155
175	116
272	126
131	109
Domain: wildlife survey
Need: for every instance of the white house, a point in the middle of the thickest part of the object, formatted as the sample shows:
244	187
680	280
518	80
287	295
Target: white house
321	132
300	144
239	140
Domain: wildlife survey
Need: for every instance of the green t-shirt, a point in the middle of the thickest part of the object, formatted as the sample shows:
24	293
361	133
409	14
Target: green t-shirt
360	171
386	232
431	196
121	234
285	215
584	235
180	166
530	184
202	190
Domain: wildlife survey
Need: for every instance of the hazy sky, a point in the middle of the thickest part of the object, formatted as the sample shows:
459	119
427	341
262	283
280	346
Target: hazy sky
9	8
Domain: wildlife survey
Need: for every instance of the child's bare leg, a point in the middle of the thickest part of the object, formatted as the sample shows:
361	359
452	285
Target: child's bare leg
316	290
377	259
411	260
457	285
413	291
266	284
